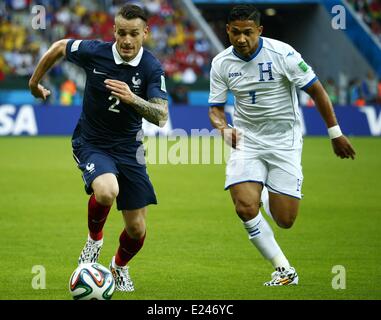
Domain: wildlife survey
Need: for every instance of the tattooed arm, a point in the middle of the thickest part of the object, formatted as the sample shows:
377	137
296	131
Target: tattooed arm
155	110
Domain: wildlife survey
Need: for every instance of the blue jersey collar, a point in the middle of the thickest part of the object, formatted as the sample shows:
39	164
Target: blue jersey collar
252	56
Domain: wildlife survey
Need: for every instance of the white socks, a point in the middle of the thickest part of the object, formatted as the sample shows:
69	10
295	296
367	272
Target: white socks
265	201
280	261
261	235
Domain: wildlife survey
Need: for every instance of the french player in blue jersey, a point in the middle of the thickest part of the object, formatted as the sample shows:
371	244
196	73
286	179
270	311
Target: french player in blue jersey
124	84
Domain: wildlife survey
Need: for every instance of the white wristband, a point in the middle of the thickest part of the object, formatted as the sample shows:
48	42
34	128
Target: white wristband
334	132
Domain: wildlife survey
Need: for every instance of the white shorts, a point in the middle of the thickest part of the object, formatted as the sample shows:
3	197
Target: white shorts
279	170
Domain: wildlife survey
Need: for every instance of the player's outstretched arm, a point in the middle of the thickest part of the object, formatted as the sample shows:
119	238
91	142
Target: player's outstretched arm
218	120
341	145
55	52
155	110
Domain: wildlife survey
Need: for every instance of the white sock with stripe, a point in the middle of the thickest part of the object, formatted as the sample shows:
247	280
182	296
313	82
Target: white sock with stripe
266	202
262	236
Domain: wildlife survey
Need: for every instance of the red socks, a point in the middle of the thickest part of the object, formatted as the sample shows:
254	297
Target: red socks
128	248
97	215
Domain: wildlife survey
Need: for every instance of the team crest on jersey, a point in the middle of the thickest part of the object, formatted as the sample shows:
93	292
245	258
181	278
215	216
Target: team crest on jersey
136	81
90	167
235	74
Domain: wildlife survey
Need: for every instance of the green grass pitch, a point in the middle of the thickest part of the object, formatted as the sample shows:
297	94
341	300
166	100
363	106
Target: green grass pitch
196	247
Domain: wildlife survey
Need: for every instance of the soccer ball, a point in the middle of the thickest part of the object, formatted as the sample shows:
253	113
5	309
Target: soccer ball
91	281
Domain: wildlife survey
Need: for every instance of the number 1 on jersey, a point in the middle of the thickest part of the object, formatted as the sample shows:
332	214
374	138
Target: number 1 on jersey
252	95
112	107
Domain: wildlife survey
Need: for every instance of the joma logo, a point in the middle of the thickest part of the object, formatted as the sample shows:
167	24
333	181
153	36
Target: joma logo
234	74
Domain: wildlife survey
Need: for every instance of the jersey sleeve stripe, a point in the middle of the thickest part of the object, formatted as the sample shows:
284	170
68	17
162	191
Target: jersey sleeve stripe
217	104
309	84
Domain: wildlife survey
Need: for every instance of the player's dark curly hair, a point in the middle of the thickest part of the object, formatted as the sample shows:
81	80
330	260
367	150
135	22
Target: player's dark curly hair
131	11
245	12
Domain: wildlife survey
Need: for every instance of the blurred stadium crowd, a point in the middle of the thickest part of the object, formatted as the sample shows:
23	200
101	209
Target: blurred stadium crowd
370	12
359	92
180	46
174	38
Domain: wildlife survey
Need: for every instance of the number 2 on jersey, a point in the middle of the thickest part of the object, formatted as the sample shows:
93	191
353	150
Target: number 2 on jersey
112	107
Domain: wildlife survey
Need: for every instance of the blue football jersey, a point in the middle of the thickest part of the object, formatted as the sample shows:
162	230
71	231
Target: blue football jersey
105	120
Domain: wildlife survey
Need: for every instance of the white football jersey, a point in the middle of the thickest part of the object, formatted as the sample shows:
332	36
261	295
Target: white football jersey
264	88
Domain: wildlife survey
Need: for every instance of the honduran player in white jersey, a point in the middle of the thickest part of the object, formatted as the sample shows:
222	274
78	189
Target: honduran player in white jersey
265	164
124	84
